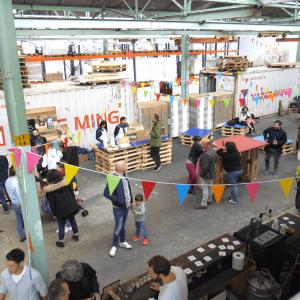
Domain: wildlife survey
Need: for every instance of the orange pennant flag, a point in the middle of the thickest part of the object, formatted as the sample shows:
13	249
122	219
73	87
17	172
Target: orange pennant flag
218	191
185	100
46	148
30	244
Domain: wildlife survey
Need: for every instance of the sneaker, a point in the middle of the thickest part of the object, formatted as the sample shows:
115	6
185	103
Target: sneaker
113	251
154	169
201	207
232	202
266	171
158	169
67	228
23	239
275	174
60	244
135	238
125	245
145	242
75	237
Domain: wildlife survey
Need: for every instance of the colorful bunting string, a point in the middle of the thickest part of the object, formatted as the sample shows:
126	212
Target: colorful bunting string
182	190
252	189
286	185
218	191
32	160
70	172
112	181
148	187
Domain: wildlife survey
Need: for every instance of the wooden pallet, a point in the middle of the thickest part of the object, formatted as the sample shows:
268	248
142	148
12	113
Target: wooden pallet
188	140
286	149
230	130
233	63
110	68
282	65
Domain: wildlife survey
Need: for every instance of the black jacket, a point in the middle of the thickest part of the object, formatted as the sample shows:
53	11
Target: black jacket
118	127
195	152
231	161
270	134
86	287
36	141
61	199
118	196
3	168
99	134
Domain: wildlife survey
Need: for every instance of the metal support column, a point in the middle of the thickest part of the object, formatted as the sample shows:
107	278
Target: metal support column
14	99
298	52
134	62
105	46
184	66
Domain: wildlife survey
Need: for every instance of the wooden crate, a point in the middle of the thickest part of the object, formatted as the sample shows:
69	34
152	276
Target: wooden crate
287	149
109	68
231	130
282	65
188	140
233	63
98	78
52	77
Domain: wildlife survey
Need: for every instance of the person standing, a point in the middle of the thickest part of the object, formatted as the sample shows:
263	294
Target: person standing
155	142
207	173
81	279
101	134
58	290
121	129
63	205
121	199
19	281
191	163
36	140
231	158
13	191
297	198
51	158
173	278
3	178
275	137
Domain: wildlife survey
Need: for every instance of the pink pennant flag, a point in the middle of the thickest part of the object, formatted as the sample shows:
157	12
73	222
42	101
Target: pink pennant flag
197	102
289	92
252	189
17	155
32	160
33	150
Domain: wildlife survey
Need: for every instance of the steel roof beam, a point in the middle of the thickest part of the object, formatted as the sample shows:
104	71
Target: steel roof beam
246	2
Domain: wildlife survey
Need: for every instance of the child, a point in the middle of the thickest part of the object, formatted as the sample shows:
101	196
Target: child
139	214
250	123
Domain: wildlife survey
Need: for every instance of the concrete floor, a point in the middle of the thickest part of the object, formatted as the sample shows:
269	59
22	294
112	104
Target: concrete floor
173	228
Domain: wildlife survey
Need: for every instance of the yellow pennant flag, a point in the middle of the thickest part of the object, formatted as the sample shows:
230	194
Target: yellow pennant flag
79	135
142	85
286	185
134	89
70	172
12	160
211	102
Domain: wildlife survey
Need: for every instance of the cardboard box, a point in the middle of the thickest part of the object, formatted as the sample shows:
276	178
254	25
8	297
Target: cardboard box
83	158
51	77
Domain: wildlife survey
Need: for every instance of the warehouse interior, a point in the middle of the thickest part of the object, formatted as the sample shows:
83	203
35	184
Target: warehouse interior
190	67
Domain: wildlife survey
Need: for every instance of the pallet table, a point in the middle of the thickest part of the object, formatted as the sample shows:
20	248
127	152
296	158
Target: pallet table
287	148
228	130
186	137
137	156
249	149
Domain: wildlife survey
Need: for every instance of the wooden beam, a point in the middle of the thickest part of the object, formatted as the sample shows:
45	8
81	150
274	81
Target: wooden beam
287	40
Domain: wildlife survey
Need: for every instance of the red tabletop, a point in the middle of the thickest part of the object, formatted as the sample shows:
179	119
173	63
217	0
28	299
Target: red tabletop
243	143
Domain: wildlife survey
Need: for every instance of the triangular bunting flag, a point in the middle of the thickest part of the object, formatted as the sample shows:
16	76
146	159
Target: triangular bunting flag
226	102
218	191
286	185
211	102
30	244
12	160
17	156
145	93
244	92
252	189
55	144
188	82
157	96
256	99
242	102
185	101
289	92
272	96
112	182
32	160
46	148
73	138
171	99
66	142
33	149
134	89
142	85
182	190
70	172
197	102
148	187
256	87
79	136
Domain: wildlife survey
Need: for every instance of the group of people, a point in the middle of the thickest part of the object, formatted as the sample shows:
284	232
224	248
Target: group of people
206	153
121	130
78	280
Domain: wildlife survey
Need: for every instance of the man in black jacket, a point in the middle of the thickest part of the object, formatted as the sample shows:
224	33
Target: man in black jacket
121	128
3	177
37	140
121	199
275	137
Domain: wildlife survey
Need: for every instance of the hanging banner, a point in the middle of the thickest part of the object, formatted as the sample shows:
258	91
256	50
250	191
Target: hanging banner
286	185
112	182
218	191
226	102
252	189
148	187
70	172
32	160
182	190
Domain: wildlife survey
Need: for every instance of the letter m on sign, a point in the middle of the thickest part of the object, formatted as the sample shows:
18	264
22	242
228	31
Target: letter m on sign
85	124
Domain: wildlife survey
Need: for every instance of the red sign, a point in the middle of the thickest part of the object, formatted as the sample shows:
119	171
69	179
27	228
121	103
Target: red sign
2	136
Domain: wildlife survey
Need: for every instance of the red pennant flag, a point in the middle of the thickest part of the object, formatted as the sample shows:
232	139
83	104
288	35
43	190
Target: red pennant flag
157	96
242	102
66	142
30	244
148	187
252	189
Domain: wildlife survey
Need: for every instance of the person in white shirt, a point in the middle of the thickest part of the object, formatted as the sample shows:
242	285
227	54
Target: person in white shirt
174	279
51	158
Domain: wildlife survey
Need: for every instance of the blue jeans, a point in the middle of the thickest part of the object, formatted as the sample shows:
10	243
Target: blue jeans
2	196
141	227
19	220
61	227
233	178
120	215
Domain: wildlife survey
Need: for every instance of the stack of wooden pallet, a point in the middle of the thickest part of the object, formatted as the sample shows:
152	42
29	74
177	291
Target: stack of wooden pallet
288	148
282	65
186	140
108	67
23	72
233	63
165	155
98	78
234	130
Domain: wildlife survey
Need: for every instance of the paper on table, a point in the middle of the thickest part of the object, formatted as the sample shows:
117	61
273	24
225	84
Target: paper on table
236	243
200	249
192	258
225	240
222	247
198	263
207	258
230	247
285	218
222	253
212	246
188	271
